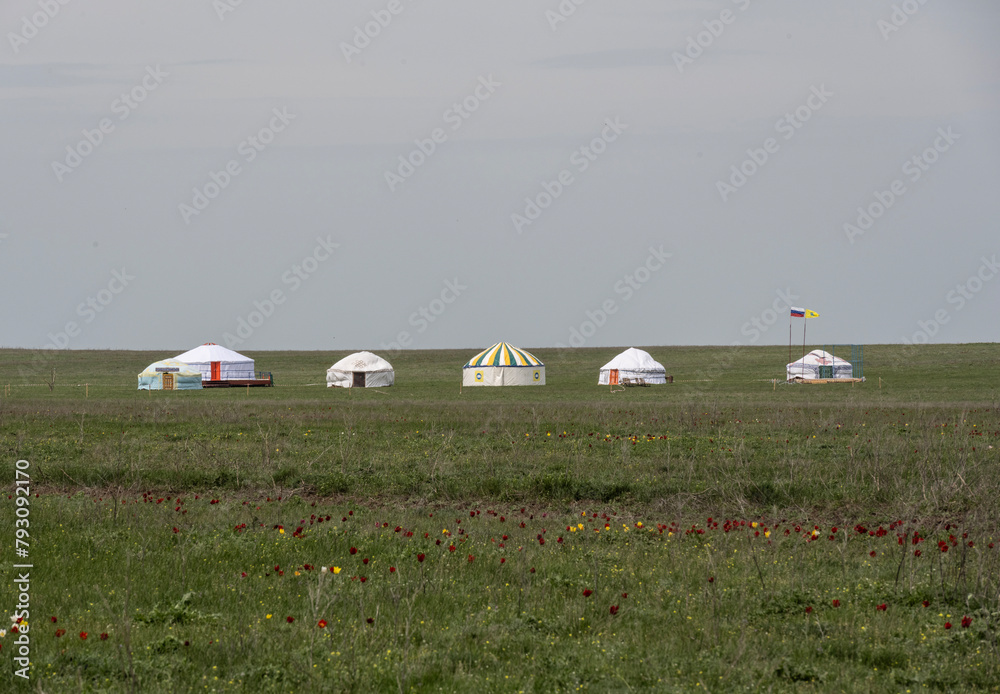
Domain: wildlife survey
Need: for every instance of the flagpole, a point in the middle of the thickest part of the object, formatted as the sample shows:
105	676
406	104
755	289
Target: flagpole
789	337
803	362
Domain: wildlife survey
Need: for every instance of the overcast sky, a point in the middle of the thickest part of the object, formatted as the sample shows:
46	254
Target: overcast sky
427	174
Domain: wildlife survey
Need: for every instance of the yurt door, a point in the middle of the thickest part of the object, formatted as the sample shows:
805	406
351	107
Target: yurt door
216	371
359	379
613	378
168	381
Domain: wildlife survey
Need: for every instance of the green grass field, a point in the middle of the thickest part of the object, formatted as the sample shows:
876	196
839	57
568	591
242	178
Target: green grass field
722	533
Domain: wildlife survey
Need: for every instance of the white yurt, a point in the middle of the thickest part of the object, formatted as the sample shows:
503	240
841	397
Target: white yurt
632	363
360	370
170	374
503	365
217	363
819	364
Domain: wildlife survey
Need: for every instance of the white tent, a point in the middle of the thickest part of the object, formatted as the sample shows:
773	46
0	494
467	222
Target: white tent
632	363
217	363
360	370
503	365
170	374
819	364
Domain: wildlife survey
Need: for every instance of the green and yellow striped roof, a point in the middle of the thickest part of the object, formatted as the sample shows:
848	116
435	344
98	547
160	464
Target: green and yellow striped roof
502	354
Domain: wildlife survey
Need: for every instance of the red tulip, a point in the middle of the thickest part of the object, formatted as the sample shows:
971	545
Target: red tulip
613	610
587	592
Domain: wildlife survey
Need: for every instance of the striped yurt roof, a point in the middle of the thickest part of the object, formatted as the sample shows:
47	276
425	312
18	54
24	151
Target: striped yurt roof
502	354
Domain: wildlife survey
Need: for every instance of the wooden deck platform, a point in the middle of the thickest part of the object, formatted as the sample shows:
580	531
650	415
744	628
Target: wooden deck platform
820	381
239	383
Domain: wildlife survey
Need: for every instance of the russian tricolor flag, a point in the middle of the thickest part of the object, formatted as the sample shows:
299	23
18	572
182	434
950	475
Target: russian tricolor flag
798	312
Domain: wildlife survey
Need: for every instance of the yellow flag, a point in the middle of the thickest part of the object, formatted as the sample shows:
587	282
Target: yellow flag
811	314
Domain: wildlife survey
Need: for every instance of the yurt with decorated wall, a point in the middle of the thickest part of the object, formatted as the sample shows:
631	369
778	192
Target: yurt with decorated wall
819	365
360	370
169	374
503	365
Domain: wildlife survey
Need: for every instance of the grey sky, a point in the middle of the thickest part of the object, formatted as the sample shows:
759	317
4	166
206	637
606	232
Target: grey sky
531	92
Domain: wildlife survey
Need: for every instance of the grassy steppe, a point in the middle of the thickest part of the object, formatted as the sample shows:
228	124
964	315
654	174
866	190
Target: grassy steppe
151	507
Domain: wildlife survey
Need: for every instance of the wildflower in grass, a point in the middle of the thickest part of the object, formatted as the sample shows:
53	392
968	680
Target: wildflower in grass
364	578
83	635
3	632
836	603
947	625
321	624
502	560
54	620
532	569
872	553
625	596
471	559
711	579
392	569
613	610
926	603
587	592
809	609
104	636
371	620
289	619
916	552
966	621
420	557
353	550
323	569
882	608
267	617
60	632
451	548
365	561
